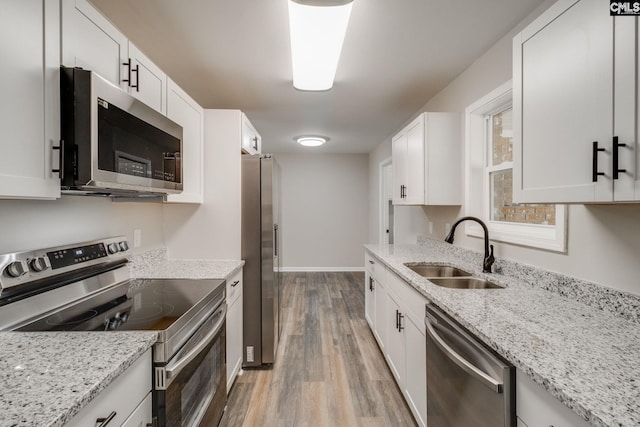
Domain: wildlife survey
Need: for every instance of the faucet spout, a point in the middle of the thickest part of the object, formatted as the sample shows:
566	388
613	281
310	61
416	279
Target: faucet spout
488	249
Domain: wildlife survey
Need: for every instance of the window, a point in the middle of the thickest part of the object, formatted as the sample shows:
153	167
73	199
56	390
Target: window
489	171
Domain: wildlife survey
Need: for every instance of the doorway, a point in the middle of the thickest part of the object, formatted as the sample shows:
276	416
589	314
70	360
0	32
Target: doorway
386	202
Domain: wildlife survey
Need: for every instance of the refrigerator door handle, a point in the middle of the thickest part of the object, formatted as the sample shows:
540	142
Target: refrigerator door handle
275	240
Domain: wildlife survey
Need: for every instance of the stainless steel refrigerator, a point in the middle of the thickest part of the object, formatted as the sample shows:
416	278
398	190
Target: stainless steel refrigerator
260	251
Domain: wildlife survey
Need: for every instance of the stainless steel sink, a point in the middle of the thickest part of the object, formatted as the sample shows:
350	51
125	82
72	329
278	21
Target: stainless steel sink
434	270
464	283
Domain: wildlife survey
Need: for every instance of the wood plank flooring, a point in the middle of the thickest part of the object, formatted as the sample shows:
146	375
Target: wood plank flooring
328	371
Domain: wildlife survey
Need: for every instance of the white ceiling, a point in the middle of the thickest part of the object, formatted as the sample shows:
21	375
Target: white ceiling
235	54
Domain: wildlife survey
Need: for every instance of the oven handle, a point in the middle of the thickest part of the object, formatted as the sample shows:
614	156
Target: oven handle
175	367
430	322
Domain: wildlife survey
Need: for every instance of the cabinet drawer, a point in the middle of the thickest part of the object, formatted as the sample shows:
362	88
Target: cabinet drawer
122	396
374	267
535	407
234	288
411	301
142	416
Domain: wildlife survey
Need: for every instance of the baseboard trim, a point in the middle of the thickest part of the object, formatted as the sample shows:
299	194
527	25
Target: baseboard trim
320	269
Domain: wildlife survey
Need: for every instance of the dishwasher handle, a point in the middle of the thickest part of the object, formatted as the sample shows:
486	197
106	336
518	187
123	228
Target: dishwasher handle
432	323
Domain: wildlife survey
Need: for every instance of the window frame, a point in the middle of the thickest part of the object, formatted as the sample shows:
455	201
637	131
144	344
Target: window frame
478	191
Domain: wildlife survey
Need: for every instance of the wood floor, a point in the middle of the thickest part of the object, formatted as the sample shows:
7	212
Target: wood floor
328	371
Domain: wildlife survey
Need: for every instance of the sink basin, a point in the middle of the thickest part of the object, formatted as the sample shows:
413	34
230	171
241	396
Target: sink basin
465	283
431	270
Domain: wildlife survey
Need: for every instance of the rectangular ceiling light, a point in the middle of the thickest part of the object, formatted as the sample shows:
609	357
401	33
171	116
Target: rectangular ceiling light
317	30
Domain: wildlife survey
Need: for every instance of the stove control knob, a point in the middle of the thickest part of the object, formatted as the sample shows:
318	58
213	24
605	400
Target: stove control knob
124	246
16	269
113	248
38	264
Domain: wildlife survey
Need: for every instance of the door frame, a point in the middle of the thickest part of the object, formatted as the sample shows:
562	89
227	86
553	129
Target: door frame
383	213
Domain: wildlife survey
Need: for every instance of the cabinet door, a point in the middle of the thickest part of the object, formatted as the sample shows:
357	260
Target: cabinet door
395	340
380	321
234	341
251	140
147	82
563	103
416	368
188	114
626	183
399	160
90	41
369	300
415	163
30	87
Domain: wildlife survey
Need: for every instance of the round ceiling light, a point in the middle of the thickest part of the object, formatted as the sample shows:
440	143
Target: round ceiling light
311	141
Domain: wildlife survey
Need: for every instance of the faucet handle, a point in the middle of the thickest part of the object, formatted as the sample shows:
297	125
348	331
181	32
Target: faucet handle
488	261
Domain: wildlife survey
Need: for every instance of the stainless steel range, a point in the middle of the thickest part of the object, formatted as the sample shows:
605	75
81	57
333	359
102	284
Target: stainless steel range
86	287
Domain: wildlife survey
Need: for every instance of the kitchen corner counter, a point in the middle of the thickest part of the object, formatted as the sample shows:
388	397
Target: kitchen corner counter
48	377
587	357
155	265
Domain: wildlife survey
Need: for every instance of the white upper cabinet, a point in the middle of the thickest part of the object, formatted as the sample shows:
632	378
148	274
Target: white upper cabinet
148	82
30	86
251	139
570	106
188	114
427	162
91	42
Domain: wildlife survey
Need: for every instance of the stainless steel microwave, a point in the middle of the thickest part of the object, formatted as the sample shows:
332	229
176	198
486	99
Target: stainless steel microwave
113	144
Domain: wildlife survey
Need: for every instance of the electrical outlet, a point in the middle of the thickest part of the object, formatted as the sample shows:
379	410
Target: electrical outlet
137	238
430	227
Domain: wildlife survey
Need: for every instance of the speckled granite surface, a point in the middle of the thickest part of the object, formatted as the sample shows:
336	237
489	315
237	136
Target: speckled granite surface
587	357
155	265
48	377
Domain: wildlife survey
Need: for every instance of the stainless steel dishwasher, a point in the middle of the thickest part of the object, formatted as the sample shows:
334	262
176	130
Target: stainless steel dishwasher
468	385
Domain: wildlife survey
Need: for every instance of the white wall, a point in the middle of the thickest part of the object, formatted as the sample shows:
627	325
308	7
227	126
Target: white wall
212	230
324	211
603	241
37	224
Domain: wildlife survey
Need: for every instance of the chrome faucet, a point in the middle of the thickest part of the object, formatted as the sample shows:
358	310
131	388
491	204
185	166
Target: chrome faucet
488	249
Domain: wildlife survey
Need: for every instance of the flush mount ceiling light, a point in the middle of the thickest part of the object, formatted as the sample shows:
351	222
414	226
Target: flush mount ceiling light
311	141
317	31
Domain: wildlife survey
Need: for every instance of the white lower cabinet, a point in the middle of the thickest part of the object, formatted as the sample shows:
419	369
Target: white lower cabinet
398	326
127	400
535	407
234	328
415	386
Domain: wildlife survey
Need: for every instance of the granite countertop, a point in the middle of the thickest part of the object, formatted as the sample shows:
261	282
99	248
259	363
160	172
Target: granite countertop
587	356
48	377
155	265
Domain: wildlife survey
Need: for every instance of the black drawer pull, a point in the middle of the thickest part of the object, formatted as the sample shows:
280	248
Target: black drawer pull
104	421
234	284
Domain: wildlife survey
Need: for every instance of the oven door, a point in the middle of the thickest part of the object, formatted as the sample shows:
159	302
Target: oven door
190	390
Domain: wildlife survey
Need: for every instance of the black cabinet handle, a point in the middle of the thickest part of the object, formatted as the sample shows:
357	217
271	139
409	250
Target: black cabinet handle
400	317
397	319
616	163
60	148
104	421
128	79
594	171
234	284
371	284
137	71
